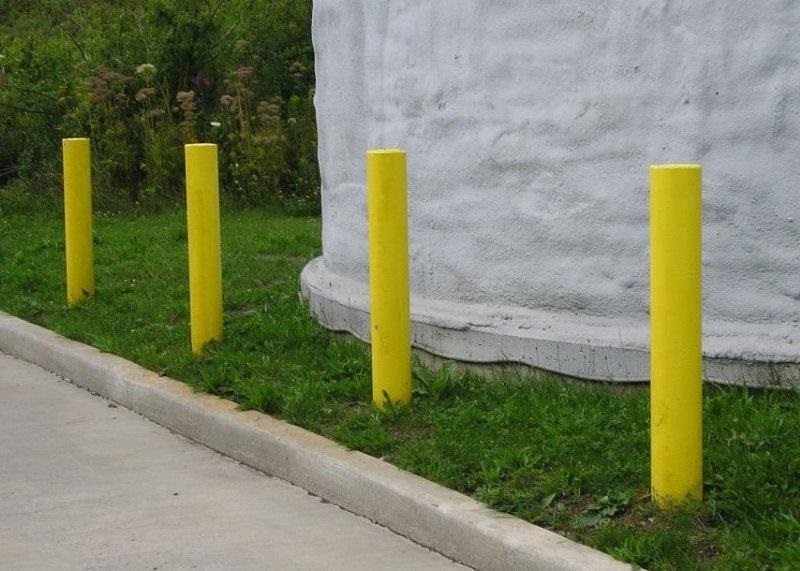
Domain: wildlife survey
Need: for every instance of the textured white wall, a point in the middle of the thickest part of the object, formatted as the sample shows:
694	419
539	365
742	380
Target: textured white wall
530	126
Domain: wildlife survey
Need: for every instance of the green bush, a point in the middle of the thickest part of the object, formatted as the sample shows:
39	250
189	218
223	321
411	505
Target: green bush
142	79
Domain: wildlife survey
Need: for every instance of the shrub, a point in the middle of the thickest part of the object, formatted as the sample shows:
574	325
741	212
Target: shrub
144	78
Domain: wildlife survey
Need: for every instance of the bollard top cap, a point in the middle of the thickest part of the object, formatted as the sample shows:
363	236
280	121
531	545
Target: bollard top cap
687	166
201	145
386	151
73	139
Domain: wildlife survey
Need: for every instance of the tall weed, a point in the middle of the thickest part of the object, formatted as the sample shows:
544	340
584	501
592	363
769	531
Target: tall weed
142	79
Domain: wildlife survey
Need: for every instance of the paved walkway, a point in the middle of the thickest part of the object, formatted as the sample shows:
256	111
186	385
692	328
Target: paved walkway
87	485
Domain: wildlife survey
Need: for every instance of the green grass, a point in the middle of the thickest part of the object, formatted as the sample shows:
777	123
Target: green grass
567	455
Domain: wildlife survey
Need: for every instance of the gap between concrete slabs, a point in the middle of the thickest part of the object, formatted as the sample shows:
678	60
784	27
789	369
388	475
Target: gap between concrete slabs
427	513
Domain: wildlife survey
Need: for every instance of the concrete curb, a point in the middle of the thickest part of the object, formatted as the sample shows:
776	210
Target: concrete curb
431	515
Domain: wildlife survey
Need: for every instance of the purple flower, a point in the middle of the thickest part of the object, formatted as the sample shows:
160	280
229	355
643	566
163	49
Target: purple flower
201	80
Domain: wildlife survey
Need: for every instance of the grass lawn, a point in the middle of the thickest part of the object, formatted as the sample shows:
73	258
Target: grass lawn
570	456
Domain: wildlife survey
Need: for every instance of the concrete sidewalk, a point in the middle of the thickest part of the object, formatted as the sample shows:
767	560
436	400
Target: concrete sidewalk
88	485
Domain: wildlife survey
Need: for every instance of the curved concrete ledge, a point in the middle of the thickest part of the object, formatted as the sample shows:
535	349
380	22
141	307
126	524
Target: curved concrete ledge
583	347
431	515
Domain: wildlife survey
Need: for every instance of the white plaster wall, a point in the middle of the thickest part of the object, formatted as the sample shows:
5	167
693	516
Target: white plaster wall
530	126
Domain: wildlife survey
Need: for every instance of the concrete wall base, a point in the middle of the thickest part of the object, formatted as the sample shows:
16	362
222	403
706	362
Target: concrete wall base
599	349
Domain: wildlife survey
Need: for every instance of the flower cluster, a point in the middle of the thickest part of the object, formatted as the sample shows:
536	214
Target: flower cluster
187	105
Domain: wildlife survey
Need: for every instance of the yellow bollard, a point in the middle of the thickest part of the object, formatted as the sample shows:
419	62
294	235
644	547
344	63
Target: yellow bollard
78	220
676	368
388	276
205	266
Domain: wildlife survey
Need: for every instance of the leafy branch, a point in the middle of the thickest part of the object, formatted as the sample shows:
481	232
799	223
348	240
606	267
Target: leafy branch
69	34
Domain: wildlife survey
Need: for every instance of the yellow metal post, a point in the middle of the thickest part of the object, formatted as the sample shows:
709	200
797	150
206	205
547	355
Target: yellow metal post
78	219
676	416
205	267
388	276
